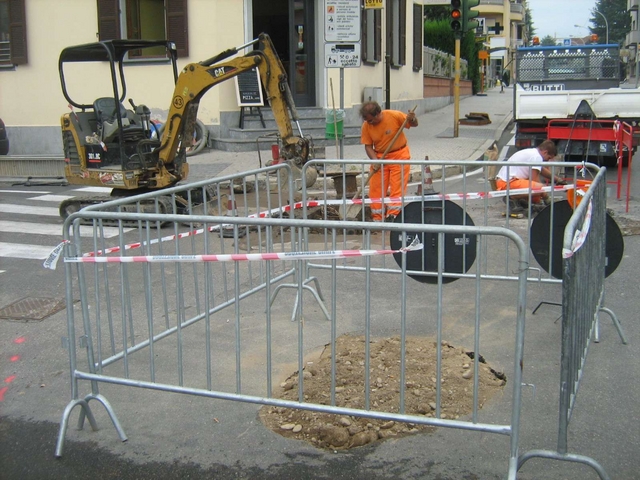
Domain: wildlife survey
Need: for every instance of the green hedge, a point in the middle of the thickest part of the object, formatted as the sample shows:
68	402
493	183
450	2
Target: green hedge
438	34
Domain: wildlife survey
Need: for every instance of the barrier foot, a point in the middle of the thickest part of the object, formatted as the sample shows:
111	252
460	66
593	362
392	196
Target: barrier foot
547	303
616	322
112	415
566	457
64	422
317	296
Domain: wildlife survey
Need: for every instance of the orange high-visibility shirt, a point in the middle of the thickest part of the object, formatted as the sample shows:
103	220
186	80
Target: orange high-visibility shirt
380	135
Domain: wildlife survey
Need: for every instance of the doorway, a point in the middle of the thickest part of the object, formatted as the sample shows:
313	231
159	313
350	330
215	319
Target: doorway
290	25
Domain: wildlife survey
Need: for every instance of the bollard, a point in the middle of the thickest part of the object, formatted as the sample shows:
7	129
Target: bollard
275	152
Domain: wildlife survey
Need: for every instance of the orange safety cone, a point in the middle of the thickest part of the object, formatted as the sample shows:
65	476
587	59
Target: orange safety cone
426	188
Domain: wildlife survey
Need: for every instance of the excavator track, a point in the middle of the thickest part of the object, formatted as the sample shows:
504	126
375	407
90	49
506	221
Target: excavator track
164	205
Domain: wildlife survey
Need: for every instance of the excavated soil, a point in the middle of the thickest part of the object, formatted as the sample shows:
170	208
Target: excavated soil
339	432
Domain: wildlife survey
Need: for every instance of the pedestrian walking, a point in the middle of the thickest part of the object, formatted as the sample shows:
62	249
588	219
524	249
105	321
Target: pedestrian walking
382	136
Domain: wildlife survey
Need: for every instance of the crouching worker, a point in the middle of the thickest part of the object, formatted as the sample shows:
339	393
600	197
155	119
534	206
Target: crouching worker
378	131
528	177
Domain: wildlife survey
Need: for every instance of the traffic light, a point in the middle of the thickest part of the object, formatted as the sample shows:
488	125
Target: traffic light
468	15
535	41
456	16
594	38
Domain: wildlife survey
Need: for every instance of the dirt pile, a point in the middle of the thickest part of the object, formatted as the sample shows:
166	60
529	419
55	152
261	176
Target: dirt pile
343	432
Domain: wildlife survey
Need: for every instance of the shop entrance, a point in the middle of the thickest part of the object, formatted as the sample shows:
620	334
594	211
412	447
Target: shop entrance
290	25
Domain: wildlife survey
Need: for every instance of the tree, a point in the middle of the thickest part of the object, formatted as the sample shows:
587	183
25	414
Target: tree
548	41
618	19
529	22
438	35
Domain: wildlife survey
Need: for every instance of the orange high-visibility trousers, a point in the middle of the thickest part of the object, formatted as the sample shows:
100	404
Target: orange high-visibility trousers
517	183
391	180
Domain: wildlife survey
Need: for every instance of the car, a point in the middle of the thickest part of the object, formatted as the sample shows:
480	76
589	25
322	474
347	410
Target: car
4	141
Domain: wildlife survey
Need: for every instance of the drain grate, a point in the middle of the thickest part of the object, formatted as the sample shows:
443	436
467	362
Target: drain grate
32	309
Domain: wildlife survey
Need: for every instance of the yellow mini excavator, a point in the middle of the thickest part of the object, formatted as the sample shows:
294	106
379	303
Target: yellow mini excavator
106	144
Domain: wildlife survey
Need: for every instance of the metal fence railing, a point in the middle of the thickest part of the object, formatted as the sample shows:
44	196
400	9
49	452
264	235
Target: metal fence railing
174	303
583	273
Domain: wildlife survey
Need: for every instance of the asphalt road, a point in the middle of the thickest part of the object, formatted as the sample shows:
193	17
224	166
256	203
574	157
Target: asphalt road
173	436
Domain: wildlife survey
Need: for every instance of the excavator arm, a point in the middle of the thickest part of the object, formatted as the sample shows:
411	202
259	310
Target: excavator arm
197	78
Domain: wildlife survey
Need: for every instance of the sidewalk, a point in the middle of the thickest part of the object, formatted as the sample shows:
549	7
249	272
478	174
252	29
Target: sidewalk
433	138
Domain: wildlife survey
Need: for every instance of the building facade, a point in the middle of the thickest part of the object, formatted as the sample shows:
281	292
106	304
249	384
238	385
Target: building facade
502	23
34	32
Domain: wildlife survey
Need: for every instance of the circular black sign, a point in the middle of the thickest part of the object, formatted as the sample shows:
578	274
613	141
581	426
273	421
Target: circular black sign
459	250
546	245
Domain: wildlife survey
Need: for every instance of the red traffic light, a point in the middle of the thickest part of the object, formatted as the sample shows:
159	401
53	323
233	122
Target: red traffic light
456	15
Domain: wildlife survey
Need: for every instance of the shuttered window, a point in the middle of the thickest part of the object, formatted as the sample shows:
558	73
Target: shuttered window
417	37
371	35
177	25
150	20
108	20
13	32
397	31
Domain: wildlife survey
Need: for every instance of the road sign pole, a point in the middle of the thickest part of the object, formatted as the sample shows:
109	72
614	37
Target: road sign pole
342	108
456	89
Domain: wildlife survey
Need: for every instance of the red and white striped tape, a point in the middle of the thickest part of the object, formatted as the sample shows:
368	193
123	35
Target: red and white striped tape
247	257
357	201
580	235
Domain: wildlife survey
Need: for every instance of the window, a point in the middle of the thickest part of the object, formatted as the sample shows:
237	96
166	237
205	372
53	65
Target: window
372	35
397	31
417	37
145	20
13	32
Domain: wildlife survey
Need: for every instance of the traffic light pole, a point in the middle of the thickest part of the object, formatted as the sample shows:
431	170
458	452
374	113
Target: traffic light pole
456	88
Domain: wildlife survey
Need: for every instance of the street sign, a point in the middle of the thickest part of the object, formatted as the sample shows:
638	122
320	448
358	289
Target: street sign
373	4
342	21
342	55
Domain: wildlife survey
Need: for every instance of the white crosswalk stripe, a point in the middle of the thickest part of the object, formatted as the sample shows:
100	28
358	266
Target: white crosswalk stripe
55	230
44	204
15	250
29	210
51	198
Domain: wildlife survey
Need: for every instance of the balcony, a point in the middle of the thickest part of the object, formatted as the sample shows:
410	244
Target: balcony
518	8
5	53
633	38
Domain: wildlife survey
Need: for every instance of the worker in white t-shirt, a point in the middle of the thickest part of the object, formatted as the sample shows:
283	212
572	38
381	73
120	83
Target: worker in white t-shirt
529	177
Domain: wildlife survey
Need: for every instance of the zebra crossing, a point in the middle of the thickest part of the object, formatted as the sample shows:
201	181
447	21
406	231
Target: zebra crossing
30	223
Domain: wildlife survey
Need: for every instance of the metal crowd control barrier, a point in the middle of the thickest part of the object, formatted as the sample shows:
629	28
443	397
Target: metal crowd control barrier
582	300
185	324
463	184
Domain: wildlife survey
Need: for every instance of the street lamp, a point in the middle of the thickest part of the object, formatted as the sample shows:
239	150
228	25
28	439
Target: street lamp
605	23
582	38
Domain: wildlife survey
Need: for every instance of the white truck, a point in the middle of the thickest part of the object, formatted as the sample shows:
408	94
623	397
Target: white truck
551	83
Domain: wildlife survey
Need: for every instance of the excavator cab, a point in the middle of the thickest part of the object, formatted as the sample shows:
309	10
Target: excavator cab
106	143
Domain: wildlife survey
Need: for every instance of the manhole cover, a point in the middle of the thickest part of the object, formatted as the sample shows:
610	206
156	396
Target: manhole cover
32	309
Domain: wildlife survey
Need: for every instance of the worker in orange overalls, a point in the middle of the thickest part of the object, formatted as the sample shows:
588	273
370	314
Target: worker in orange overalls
378	130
